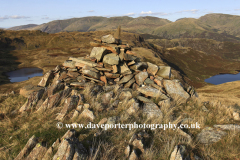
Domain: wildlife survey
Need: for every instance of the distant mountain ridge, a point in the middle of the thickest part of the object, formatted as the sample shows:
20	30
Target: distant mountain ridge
22	27
221	27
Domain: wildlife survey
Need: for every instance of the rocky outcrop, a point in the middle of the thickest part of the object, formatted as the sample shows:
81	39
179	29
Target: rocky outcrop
28	147
113	76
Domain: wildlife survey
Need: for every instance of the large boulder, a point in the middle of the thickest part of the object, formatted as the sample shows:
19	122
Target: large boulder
175	90
98	53
164	71
209	135
111	59
152	92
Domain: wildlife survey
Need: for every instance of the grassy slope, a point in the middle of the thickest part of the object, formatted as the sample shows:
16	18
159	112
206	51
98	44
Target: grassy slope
199	58
191	28
22	27
223	23
140	24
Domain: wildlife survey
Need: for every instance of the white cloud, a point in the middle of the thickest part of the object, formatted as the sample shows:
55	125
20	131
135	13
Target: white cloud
129	14
45	18
154	13
145	13
237	9
14	17
192	11
18	17
91	11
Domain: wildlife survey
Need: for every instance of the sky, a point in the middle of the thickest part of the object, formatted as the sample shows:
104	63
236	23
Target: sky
22	12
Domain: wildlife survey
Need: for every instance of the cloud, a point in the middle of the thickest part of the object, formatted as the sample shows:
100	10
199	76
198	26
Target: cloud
237	9
13	17
45	18
18	17
154	13
91	11
145	13
192	11
129	14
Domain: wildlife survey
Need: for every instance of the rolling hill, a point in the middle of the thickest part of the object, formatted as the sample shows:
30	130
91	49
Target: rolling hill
140	24
220	27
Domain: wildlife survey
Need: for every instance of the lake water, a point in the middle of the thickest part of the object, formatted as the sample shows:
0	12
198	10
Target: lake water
24	74
223	78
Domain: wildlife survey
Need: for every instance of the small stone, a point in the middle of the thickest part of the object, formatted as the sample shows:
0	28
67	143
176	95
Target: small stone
69	64
104	79
133	155
141	77
143	99
139	66
164	103
148	81
98	53
124	69
108	39
103	121
75	114
152	92
236	116
209	135
111	75
129	83
151	110
152	68
228	127
106	97
126	78
204	108
164	71
92	74
111	59
127	151
87	114
112	120
46	79
158	82
125	95
179	153
134	107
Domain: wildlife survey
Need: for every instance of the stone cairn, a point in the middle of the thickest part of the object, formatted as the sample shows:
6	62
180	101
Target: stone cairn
109	64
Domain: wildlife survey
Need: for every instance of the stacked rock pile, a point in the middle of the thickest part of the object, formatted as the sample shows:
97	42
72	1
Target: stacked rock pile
110	65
